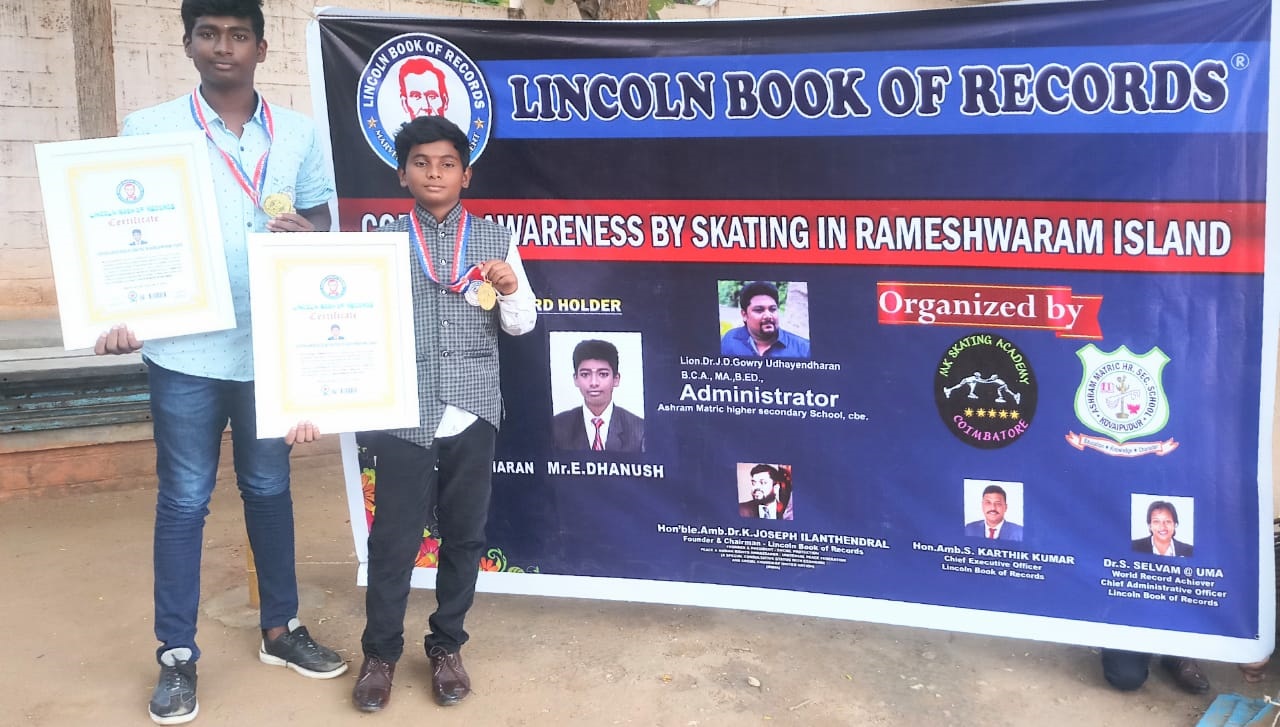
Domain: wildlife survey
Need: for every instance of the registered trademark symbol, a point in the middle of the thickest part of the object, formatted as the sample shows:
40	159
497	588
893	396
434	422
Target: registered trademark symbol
1240	61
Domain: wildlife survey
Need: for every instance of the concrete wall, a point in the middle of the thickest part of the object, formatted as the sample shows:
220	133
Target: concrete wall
779	8
38	93
37	103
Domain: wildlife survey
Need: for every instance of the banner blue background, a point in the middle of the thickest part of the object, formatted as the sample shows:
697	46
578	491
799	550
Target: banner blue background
894	478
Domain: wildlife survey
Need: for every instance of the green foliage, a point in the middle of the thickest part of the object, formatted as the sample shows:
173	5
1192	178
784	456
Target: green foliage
728	291
656	5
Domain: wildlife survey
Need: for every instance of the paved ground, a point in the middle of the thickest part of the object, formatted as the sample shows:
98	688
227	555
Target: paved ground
76	613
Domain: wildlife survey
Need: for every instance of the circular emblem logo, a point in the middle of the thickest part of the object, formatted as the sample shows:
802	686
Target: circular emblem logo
129	191
418	74
333	287
985	391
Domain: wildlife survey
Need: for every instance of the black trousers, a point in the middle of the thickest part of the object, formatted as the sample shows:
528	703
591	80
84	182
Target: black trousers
460	470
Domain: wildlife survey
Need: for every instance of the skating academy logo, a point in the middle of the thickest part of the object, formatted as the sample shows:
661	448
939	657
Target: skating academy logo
417	74
985	391
1121	396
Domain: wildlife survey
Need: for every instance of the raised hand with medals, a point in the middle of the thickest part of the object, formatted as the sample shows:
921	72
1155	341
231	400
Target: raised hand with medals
499	278
479	284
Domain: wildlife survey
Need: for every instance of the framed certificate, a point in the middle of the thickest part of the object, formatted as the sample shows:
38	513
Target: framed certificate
134	236
333	335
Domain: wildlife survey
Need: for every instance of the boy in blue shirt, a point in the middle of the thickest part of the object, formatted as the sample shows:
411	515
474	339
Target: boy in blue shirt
201	382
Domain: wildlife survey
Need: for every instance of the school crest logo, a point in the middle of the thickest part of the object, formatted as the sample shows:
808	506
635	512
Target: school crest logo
1121	396
418	74
986	391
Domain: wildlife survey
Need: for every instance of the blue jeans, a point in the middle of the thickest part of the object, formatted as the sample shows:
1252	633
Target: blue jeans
189	415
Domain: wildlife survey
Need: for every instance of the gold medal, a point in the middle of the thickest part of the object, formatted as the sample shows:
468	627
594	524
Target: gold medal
486	296
277	204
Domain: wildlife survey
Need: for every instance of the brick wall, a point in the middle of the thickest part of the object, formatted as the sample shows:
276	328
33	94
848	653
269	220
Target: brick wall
777	8
37	103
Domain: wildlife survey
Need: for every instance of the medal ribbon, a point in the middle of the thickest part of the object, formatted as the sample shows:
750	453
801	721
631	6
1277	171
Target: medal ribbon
460	279
252	185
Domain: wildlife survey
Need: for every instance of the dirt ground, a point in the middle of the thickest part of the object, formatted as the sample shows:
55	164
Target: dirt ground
79	650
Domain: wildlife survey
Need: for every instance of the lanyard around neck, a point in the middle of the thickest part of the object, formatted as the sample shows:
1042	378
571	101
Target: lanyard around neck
460	240
252	185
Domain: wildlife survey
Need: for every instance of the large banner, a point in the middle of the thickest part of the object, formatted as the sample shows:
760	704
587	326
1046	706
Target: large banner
951	318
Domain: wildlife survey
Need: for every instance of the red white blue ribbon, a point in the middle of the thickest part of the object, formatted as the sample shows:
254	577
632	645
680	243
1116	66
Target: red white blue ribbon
460	279
252	185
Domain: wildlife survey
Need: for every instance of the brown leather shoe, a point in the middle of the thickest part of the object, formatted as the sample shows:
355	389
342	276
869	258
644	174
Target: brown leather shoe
449	681
1187	674
373	686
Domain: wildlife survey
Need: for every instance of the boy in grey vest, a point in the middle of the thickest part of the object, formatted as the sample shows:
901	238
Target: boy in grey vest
468	282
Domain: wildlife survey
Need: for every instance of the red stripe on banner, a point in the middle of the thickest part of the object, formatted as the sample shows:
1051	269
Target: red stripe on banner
1162	237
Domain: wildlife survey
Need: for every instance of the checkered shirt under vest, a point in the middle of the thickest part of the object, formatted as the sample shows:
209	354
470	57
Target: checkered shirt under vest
457	343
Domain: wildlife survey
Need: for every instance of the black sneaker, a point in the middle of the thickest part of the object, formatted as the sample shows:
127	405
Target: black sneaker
174	700
298	651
